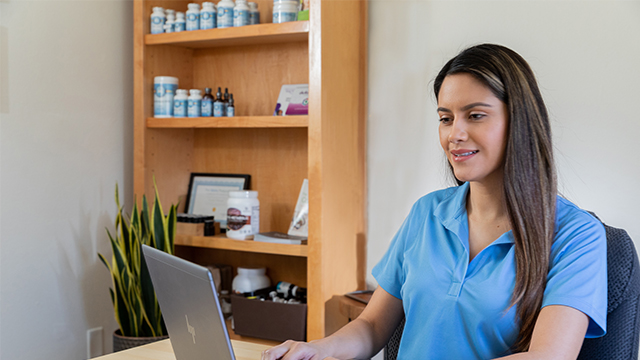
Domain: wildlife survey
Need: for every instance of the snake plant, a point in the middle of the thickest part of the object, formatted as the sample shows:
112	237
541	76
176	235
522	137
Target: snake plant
134	300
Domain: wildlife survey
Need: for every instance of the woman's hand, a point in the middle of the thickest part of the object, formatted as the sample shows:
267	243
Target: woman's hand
293	350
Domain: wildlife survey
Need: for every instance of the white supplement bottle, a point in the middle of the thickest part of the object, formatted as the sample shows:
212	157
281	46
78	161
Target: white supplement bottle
208	16
284	11
181	23
194	103
225	13
170	23
254	14
250	279
157	20
164	89
241	13
193	17
180	103
243	215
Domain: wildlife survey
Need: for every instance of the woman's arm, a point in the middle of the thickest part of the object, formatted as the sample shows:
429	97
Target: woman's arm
361	338
558	334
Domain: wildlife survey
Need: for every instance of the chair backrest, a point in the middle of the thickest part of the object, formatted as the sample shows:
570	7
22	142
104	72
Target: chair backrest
623	308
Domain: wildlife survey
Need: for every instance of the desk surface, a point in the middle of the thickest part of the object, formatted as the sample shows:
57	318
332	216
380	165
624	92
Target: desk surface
162	350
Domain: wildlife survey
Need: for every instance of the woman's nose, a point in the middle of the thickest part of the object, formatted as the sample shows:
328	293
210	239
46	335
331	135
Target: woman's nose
458	132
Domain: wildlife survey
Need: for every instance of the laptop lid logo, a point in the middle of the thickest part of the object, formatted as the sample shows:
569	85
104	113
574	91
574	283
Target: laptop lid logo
191	329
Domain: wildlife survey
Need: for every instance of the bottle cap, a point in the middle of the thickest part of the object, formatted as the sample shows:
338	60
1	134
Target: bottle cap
194	6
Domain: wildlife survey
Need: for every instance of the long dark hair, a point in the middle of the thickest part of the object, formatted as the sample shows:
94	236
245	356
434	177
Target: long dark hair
530	185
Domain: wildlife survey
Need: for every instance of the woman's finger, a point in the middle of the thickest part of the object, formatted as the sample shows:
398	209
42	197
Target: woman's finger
277	352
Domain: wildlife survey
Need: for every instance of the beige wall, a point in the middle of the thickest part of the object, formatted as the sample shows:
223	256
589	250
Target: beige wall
65	140
585	55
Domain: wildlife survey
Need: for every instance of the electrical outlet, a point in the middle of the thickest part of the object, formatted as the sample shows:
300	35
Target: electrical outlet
94	343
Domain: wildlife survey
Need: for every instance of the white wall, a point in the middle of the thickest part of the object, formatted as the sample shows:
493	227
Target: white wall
585	55
65	140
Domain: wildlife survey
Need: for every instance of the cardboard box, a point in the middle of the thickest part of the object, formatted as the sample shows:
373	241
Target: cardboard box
268	319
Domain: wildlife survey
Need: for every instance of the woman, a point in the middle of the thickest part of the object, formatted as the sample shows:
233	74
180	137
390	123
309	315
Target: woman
498	265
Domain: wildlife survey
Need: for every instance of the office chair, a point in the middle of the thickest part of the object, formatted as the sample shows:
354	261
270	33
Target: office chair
623	315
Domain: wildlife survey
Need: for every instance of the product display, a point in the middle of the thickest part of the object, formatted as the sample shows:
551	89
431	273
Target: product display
250	279
157	20
208	16
225	13
218	105
241	13
180	103
293	100
164	88
207	103
284	11
231	109
243	215
194	103
193	17
180	24
254	14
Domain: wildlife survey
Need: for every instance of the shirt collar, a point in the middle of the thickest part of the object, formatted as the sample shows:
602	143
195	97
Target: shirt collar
452	214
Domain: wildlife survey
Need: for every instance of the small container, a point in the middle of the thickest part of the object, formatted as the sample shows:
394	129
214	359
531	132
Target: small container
284	11
243	215
169	25
254	14
241	13
180	103
226	101
250	279
208	16
207	103
180	23
157	20
225	13
193	17
164	89
231	109
194	103
218	105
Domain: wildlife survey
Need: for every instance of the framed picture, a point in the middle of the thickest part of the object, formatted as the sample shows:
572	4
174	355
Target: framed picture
208	194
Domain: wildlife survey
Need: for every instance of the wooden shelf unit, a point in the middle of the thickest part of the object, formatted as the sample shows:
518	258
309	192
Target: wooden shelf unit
327	147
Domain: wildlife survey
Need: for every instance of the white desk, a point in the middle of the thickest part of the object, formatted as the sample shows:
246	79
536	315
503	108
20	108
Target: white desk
162	350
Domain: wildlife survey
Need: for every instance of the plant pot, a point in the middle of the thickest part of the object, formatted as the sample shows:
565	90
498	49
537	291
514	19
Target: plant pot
127	342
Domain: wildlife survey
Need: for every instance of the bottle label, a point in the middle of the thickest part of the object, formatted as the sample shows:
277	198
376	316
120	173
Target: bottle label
280	17
244	221
157	25
180	108
179	26
231	111
207	108
194	108
240	17
225	17
193	21
163	99
207	20
218	109
225	107
254	17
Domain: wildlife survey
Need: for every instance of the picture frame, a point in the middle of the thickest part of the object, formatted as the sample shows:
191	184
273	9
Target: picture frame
209	192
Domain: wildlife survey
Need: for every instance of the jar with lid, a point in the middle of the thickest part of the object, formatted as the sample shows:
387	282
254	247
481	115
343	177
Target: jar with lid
225	13
250	279
180	24
241	13
284	11
208	16
157	20
180	103
243	215
164	88
193	17
194	103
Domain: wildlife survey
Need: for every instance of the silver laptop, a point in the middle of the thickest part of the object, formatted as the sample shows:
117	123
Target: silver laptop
187	297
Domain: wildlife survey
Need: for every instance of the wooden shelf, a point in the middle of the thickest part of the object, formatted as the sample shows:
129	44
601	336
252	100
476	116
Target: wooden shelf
298	121
246	35
221	242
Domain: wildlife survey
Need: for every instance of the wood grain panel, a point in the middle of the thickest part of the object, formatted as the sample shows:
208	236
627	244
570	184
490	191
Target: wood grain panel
276	159
254	74
231	122
291	269
221	242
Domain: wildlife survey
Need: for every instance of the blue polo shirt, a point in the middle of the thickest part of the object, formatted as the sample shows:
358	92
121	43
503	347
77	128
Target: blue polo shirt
456	309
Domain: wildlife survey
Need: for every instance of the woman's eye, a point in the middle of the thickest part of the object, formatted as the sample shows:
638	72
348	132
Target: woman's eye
476	116
445	120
